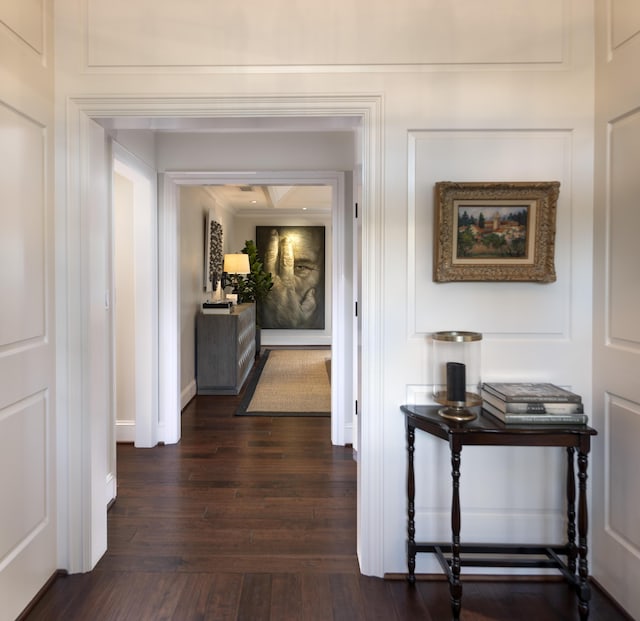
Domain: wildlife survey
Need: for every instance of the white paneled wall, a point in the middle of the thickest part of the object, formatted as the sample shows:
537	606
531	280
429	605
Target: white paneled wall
286	33
464	90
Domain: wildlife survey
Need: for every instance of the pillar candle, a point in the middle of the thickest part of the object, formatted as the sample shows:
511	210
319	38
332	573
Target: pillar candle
456	382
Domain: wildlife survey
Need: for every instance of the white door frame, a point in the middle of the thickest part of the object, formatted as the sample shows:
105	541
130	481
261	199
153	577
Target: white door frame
142	429
341	389
370	468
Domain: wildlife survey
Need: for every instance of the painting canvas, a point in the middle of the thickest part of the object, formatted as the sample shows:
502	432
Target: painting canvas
295	257
494	231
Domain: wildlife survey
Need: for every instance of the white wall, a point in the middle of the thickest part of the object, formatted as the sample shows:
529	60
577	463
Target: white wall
124	305
141	143
249	152
195	204
466	90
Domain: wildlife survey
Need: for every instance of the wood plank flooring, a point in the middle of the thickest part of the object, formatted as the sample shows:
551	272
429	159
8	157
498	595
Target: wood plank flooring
254	518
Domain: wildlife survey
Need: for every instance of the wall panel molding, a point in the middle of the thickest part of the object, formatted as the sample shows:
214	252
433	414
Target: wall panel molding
27	460
25	21
624	22
623	223
622	462
255	36
22	239
458	155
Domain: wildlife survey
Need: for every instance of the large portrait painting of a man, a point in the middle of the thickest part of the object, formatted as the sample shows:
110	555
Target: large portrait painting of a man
295	257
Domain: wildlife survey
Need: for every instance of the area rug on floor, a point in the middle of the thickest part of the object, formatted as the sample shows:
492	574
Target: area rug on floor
289	382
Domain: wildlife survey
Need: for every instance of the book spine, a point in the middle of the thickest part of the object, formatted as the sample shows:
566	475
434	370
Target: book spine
536	419
569	398
532	407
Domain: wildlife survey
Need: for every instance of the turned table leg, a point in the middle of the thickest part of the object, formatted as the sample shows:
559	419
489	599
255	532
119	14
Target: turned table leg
411	509
455	586
584	592
571	511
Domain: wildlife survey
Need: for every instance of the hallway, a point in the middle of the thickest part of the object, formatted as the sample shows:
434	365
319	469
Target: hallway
254	518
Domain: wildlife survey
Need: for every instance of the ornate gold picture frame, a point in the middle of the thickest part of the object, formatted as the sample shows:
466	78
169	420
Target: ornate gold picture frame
495	231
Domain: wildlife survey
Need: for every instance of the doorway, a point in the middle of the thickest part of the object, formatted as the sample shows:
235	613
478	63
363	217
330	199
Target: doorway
366	108
342	299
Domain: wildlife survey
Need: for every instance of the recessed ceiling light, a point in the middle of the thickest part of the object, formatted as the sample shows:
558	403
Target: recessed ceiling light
304	209
253	202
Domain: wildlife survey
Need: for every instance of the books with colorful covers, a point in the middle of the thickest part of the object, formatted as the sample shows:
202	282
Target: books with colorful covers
530	392
532	407
513	418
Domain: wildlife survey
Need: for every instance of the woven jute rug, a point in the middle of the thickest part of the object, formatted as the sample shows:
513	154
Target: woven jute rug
289	382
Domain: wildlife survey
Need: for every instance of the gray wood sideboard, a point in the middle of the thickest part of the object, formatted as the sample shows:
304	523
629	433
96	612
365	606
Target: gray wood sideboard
225	350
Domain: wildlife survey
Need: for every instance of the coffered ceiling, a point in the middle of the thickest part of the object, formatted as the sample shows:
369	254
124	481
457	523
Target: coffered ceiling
246	199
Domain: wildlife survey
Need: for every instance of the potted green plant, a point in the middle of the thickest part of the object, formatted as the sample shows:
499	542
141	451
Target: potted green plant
254	286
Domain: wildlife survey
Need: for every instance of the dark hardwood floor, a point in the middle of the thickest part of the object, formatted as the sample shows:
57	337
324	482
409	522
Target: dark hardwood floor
254	518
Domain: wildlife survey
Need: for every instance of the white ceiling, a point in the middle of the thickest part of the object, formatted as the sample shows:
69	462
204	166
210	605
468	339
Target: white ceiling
247	198
244	199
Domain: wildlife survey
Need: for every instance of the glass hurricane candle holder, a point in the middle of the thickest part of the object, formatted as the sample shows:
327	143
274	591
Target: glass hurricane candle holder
456	357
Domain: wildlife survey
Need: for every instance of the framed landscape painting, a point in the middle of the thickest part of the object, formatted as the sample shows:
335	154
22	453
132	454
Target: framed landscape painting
495	231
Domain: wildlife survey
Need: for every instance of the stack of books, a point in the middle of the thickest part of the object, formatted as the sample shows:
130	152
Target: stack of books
223	307
532	403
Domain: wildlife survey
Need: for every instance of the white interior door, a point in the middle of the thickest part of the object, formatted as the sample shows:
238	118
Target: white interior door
28	552
616	459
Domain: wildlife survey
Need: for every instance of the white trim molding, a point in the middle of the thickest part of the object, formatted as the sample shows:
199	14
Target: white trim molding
72	306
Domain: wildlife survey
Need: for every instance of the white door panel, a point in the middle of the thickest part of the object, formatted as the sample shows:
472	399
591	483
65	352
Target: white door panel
97	282
616	397
28	555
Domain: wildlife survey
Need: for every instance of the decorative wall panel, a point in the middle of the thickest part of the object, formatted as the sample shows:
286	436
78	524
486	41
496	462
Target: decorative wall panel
23	453
22	213
501	308
624	224
25	20
623	465
148	33
625	21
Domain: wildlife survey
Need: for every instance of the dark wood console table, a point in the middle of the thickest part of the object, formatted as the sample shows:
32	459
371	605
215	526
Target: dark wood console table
486	430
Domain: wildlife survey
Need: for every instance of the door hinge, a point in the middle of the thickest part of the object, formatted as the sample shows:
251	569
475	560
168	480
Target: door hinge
356	410
356	209
356	308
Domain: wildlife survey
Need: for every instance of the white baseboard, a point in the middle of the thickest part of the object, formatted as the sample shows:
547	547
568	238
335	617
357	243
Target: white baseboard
125	431
293	338
348	433
188	393
112	487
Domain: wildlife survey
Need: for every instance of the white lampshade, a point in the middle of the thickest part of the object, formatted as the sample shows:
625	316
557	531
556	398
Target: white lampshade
237	263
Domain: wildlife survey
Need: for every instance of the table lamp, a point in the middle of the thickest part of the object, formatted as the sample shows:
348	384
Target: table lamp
234	264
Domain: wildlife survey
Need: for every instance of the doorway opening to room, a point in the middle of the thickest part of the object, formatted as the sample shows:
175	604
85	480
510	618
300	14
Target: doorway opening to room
365	110
319	200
